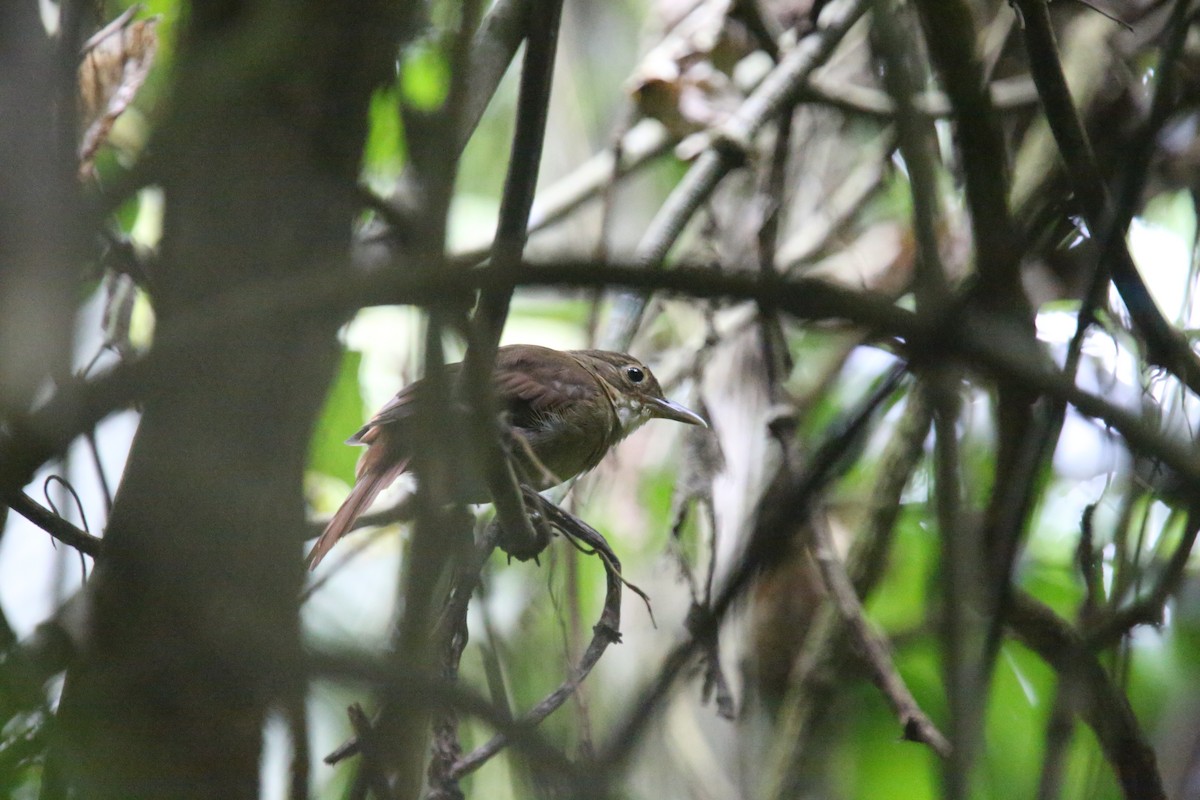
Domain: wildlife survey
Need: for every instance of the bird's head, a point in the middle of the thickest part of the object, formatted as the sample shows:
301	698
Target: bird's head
635	392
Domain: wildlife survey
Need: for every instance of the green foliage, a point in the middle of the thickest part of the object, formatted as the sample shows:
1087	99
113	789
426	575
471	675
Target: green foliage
384	153
341	417
899	603
425	78
1174	211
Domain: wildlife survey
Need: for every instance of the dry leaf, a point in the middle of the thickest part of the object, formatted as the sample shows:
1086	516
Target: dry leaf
115	64
681	81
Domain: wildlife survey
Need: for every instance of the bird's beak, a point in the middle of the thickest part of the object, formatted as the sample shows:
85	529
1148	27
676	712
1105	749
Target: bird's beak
667	409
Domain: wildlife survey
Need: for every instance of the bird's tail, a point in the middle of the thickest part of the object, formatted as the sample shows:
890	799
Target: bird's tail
368	486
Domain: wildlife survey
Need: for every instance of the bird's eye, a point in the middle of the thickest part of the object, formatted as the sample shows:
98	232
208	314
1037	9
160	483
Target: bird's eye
635	374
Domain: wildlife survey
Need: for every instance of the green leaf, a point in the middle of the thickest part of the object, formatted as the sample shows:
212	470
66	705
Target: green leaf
341	417
384	152
425	79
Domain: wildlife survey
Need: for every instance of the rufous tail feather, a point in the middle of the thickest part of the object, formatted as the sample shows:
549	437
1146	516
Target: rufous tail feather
366	489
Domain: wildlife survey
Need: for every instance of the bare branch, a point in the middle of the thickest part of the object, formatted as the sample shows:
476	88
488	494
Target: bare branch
1102	705
914	722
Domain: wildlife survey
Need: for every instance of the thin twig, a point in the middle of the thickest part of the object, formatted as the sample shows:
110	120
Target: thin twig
605	632
817	669
961	630
100	476
1149	609
914	722
729	148
1166	347
1102	705
56	526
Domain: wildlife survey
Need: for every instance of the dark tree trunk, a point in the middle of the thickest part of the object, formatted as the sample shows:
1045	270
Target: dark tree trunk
39	199
194	622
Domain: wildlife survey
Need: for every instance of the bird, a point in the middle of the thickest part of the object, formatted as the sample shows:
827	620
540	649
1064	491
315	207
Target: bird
570	407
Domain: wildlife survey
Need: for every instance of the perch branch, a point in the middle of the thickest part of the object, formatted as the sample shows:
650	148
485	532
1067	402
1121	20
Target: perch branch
605	632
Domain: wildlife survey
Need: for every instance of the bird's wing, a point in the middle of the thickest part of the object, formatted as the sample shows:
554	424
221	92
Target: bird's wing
529	382
397	409
529	386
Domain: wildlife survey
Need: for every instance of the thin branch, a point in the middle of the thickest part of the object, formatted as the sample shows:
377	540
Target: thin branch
951	36
1103	706
914	722
491	51
1007	94
452	624
422	690
960	573
783	508
1166	347
1135	165
56	526
1059	730
1149	609
33	439
300	781
500	34
371	774
533	108
915	137
818	667
818	234
729	147
487	324
640	146
94	450
868	553
605	632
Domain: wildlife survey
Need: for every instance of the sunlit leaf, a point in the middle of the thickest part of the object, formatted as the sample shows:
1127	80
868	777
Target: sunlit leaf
425	79
341	417
384	151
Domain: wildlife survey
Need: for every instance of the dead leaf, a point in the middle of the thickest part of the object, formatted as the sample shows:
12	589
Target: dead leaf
116	61
683	82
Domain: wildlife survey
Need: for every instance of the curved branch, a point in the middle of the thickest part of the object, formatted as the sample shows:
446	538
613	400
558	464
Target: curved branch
56	526
1102	705
604	633
1166	347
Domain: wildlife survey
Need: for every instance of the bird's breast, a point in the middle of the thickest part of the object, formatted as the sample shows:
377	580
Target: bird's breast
568	444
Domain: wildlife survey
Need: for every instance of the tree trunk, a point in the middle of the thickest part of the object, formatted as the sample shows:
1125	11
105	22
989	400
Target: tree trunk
194	618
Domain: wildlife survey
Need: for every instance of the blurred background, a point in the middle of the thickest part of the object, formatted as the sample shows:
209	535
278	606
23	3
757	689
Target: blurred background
779	708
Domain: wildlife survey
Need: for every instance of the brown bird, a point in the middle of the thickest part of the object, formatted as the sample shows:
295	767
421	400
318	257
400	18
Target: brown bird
570	406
